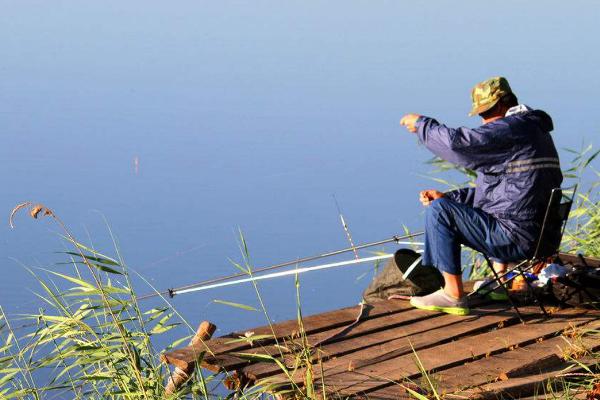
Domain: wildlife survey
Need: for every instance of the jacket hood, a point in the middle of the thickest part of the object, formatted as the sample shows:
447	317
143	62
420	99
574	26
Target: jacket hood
538	117
542	119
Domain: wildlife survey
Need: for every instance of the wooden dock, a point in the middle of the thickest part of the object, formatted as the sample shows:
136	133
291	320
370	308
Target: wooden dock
488	354
389	350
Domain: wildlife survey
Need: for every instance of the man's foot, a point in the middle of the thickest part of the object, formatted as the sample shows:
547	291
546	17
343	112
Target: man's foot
493	291
440	301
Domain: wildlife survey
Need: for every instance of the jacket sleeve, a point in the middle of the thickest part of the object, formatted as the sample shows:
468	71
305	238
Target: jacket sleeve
462	195
469	148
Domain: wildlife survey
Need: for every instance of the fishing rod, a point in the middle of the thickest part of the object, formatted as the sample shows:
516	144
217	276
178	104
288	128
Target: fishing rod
285	273
173	291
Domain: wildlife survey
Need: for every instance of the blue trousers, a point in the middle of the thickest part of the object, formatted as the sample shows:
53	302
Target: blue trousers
449	224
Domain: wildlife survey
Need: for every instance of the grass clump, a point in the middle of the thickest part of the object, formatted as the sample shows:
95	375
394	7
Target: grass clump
91	340
583	232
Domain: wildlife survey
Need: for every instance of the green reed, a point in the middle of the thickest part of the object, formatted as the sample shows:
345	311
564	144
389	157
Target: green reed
583	231
91	340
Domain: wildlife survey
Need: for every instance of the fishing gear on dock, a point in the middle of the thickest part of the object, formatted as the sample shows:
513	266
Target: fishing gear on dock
211	282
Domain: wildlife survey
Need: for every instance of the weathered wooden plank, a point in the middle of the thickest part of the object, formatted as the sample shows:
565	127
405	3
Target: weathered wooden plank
479	373
535	386
576	259
529	360
312	324
182	374
332	345
571	394
397	341
394	391
532	385
372	376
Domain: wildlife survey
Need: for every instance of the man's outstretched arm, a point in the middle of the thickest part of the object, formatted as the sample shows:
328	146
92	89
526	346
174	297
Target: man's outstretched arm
469	148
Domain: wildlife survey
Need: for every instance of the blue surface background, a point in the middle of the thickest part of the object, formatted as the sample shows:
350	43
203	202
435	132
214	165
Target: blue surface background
251	115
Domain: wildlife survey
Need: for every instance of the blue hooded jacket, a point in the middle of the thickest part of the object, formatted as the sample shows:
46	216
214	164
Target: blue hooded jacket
516	163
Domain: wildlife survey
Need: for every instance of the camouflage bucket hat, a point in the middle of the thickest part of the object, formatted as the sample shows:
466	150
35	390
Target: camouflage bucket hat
486	94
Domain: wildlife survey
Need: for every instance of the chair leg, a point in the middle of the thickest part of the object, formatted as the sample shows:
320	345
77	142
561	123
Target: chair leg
497	279
506	273
521	271
537	298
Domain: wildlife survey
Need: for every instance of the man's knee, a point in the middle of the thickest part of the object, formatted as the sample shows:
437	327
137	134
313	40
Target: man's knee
441	203
438	208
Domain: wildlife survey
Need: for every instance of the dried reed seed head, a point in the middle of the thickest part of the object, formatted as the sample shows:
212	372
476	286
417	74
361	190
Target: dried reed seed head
34	212
14	211
37	209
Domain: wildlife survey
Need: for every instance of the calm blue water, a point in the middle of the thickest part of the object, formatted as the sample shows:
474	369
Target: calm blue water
251	115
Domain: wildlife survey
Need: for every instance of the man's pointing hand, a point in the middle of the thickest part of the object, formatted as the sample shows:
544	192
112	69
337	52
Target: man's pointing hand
410	121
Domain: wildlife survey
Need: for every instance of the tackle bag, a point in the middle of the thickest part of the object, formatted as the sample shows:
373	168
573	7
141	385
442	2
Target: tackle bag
390	280
580	288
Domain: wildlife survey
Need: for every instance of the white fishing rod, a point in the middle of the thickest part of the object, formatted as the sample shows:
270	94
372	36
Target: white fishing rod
296	271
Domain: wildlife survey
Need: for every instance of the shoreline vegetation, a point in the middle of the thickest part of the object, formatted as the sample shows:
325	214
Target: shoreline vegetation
94	340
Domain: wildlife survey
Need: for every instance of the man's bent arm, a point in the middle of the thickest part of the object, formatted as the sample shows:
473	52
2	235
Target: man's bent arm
462	195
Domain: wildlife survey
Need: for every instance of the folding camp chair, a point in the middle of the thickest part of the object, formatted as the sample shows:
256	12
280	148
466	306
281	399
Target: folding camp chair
548	243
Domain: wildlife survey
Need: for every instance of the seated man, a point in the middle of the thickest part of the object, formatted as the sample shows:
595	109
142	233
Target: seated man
517	166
